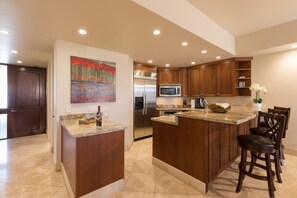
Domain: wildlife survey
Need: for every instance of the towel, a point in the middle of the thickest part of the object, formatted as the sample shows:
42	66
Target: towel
224	105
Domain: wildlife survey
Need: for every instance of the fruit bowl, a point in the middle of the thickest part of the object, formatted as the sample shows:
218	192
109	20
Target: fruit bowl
218	108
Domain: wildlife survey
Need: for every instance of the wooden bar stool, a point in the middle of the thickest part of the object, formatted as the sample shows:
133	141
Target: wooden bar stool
268	144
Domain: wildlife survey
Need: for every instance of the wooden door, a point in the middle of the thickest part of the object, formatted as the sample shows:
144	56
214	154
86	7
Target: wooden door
26	101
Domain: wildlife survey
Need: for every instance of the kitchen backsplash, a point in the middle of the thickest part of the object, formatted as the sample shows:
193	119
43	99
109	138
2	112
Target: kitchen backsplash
236	101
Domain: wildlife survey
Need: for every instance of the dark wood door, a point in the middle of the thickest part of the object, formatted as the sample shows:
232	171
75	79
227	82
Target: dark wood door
26	113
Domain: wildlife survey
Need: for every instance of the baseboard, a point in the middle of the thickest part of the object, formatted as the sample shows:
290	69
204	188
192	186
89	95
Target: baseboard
67	184
290	151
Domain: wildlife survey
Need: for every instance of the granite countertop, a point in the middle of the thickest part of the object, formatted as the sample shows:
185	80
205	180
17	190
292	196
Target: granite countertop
70	122
236	115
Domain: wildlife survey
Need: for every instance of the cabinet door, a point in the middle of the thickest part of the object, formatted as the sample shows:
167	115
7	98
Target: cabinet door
209	80
226	79
195	82
168	76
183	80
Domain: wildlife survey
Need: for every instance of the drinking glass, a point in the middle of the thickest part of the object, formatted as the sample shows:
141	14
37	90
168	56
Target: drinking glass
105	115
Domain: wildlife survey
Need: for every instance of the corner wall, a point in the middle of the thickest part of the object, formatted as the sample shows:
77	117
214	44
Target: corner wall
278	73
119	111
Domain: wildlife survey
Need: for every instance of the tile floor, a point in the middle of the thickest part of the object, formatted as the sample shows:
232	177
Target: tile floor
26	170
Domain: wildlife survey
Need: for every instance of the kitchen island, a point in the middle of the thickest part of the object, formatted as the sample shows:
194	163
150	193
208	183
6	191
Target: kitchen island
92	157
196	146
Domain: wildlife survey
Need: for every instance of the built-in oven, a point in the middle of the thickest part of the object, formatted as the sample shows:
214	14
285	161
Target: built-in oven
170	90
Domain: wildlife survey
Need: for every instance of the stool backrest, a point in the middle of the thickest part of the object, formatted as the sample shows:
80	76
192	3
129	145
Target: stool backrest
285	109
275	126
285	113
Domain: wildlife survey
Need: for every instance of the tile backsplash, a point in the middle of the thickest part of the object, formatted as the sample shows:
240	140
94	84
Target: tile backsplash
234	101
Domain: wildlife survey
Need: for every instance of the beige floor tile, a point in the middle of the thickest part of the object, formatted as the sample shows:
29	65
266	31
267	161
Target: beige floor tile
61	193
40	191
166	183
26	170
140	182
126	194
169	195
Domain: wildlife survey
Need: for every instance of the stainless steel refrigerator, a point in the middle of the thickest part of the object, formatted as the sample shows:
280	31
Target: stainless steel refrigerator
144	106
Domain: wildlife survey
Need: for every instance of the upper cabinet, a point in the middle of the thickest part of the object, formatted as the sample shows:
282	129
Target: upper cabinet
225	78
168	76
230	77
174	76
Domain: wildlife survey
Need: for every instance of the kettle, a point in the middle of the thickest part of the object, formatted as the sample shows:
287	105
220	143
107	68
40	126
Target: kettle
200	103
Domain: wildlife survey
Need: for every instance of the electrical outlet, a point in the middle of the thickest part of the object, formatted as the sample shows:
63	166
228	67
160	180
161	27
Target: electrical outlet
68	109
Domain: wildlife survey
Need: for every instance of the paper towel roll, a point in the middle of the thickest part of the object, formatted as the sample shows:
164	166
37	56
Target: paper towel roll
192	103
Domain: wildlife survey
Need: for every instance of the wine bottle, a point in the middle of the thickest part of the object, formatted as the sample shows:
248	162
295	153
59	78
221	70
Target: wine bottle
99	117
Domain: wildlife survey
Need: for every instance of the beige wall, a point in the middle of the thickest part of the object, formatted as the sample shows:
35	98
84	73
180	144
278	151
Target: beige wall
120	111
278	73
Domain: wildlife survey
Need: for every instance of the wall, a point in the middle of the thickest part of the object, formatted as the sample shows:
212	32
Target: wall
119	111
278	73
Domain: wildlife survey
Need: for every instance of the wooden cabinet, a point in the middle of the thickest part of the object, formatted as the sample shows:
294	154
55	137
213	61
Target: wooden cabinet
174	76
225	80
195	75
230	77
184	81
209	79
168	76
243	76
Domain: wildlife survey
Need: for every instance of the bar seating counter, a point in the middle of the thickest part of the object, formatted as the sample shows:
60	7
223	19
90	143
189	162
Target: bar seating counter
92	157
196	146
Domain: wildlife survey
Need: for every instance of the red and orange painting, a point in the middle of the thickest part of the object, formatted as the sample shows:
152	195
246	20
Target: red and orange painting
92	80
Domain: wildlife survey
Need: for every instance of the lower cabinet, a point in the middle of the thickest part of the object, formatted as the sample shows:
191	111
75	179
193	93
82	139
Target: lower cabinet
202	149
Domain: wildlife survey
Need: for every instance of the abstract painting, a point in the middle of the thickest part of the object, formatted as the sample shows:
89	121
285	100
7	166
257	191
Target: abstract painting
92	80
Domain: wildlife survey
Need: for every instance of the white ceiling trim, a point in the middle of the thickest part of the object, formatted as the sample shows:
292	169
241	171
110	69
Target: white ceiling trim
185	15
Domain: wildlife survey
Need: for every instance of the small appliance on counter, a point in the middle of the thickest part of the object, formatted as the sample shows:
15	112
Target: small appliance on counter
200	103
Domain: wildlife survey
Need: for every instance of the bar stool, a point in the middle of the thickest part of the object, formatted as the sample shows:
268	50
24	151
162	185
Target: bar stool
281	111
288	110
268	144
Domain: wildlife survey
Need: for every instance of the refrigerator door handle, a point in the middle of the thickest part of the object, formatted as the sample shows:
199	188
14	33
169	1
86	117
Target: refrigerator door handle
144	104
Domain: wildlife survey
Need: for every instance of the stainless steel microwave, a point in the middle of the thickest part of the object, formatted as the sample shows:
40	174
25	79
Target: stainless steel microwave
170	90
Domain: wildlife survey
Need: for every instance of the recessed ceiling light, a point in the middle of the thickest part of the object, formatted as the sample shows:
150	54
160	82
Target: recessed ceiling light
157	32
193	62
19	61
4	32
82	32
167	65
203	51
294	46
218	57
14	51
149	61
184	43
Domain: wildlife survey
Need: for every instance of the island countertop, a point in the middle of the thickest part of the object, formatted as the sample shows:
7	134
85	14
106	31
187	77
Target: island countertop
82	130
236	115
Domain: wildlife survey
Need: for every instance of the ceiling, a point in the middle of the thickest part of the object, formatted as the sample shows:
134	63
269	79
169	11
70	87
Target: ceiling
125	27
